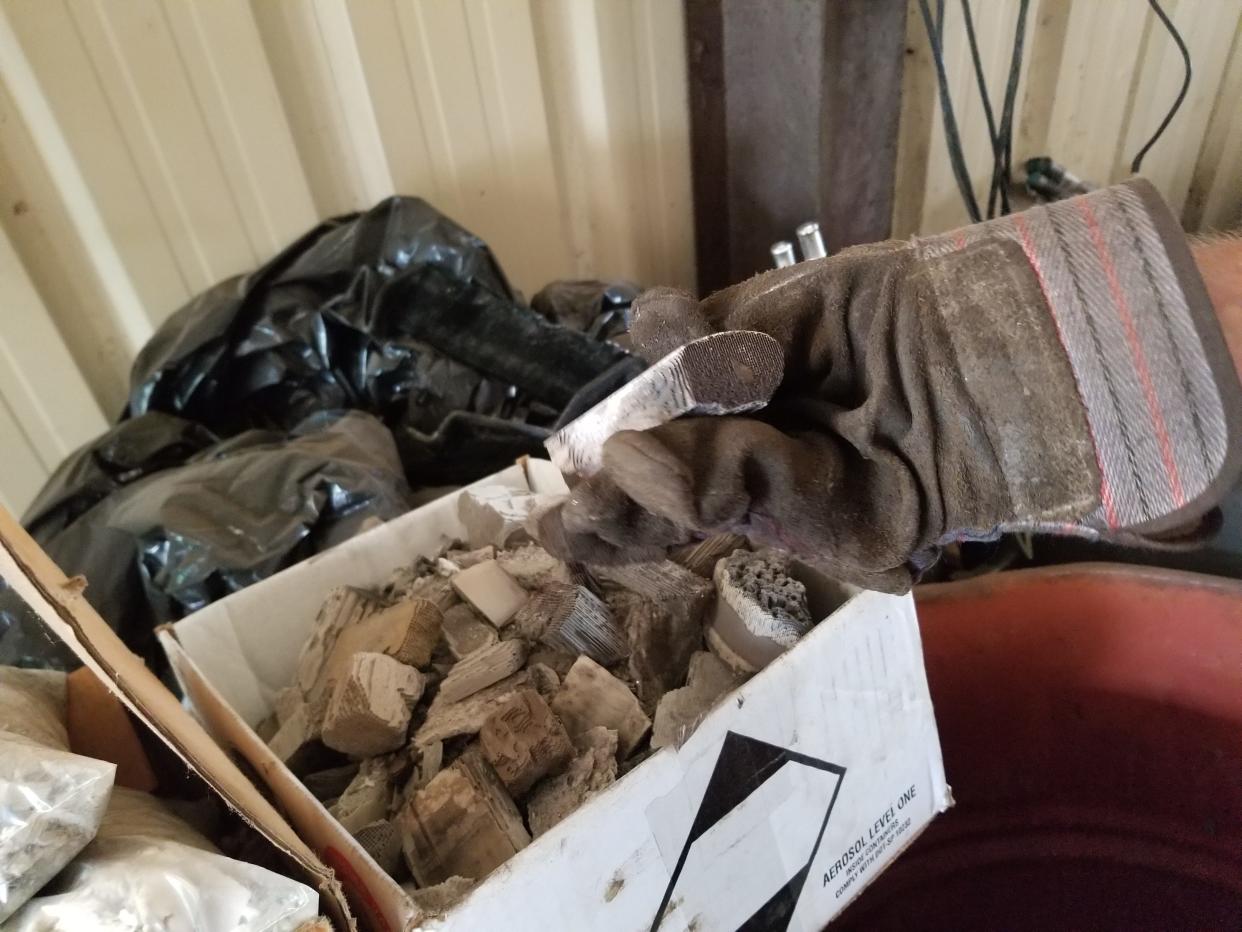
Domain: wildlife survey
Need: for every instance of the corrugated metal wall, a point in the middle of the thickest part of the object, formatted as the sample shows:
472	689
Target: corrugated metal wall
149	148
1098	77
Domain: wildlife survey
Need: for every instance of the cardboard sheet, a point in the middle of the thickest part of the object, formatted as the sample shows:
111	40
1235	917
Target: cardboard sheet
59	602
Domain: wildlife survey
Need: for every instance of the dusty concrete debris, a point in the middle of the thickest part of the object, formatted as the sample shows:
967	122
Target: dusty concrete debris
578	622
454	561
761	610
465	632
365	800
524	741
482	668
681	710
406	631
462	823
662	582
430	762
558	660
543	678
381	839
435	589
531	566
438	899
369	712
344	607
497	514
661	645
450	719
701	558
491	591
594	768
590	696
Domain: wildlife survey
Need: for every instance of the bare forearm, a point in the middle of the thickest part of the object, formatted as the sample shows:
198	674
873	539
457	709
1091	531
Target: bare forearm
1220	263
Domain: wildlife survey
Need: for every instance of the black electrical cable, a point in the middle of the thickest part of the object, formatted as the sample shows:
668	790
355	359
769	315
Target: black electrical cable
952	141
977	60
1181	95
1002	172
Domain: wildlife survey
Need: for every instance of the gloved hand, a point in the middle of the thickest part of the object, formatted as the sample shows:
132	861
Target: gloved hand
1059	370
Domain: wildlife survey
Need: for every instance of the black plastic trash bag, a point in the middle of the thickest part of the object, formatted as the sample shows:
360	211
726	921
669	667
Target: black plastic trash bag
125	454
599	309
397	311
171	542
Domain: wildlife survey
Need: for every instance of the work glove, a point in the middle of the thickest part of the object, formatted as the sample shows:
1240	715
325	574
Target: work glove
1059	370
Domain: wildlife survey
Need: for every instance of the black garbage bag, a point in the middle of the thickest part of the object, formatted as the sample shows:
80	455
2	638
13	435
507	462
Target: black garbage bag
397	311
129	451
171	542
223	468
598	309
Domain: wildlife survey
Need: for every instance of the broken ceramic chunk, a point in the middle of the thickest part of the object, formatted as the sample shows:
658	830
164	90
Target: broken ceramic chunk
543	678
365	799
344	607
572	619
462	823
761	610
524	741
439	898
724	373
465	632
556	797
531	566
369	712
381	839
590	696
450	719
662	582
435	589
661	645
454	561
491	591
701	558
681	710
481	669
497	514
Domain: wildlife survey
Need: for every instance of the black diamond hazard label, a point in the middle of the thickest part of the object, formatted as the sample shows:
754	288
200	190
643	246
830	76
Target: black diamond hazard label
755	833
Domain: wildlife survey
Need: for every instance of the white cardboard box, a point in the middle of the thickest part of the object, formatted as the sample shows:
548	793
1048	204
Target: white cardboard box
794	793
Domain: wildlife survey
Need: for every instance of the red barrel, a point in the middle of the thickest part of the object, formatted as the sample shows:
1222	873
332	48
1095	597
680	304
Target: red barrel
1091	721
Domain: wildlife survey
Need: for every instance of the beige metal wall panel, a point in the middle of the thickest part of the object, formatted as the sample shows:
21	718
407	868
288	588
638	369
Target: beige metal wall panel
150	148
1098	77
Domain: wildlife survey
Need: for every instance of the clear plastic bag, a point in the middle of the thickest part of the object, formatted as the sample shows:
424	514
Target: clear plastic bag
142	884
51	803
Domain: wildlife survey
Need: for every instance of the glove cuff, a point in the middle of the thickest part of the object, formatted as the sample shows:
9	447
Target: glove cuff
1149	362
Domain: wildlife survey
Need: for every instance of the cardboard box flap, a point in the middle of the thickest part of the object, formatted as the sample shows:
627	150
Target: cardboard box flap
60	603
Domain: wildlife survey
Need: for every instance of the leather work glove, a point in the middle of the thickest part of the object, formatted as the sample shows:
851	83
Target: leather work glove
1059	370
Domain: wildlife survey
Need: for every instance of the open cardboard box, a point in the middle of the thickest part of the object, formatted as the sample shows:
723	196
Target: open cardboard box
58	600
794	793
